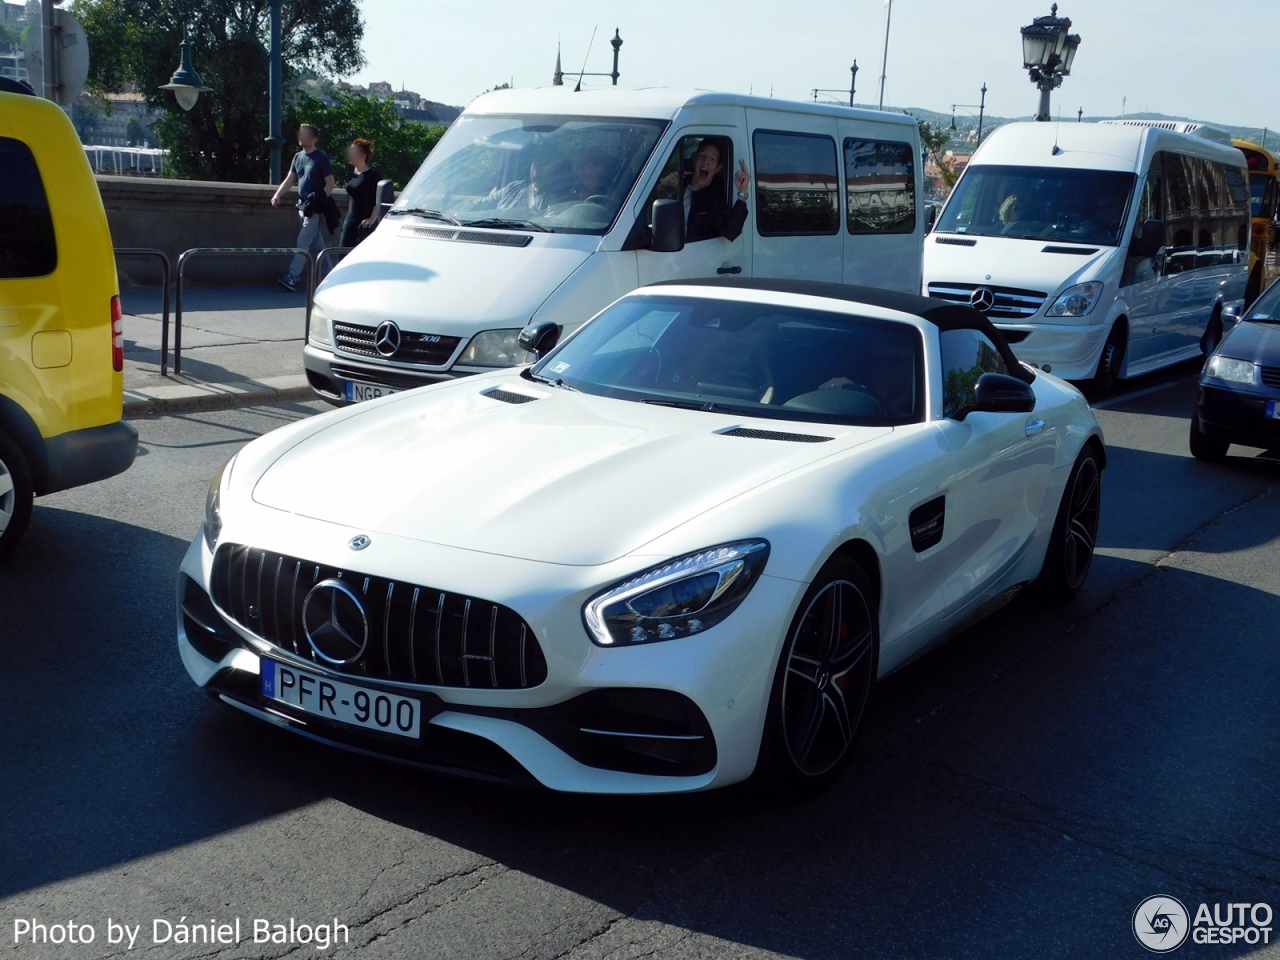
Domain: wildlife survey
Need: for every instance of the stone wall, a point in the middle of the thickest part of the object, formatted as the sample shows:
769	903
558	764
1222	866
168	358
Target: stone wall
176	215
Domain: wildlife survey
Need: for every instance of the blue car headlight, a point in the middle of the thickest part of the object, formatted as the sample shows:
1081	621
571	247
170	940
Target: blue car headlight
678	598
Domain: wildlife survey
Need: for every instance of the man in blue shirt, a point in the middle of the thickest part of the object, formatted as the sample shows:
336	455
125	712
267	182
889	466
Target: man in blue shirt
313	173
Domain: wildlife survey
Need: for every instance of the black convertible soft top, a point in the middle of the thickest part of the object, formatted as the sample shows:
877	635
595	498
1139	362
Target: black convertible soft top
942	314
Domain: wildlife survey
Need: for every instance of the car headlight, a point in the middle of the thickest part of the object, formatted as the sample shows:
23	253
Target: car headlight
213	507
497	348
320	332
1076	301
1233	371
678	598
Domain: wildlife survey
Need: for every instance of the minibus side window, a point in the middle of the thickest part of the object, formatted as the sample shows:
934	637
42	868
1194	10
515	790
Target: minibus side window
27	245
797	184
679	168
1140	264
1180	223
880	186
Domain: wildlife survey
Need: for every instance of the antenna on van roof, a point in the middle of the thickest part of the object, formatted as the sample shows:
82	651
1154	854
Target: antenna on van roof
582	73
1057	129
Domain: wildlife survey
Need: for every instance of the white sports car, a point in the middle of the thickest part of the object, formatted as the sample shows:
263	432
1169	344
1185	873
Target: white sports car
677	551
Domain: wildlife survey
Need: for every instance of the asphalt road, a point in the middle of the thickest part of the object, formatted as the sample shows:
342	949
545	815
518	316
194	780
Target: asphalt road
1017	792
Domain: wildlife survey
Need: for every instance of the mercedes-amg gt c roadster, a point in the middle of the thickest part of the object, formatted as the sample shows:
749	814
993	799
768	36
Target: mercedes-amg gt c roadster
675	552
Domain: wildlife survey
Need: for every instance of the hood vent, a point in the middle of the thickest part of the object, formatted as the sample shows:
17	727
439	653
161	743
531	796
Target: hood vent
508	396
467	236
1075	251
775	435
956	241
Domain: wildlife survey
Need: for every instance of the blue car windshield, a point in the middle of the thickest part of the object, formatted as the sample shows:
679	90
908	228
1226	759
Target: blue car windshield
749	359
1266	309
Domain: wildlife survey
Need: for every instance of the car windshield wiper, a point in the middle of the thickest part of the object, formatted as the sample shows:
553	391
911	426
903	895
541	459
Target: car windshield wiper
499	223
424	212
705	405
553	382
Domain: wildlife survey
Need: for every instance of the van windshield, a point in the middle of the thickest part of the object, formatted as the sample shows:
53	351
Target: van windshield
1039	203
545	173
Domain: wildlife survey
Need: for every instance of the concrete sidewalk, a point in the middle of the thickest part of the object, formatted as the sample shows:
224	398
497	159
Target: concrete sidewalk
240	345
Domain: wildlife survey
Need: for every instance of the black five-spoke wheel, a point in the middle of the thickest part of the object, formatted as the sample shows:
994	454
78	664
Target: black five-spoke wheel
1075	534
824	681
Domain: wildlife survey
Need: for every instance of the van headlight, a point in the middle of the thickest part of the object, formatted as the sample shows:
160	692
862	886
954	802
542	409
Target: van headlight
1233	371
320	332
1076	301
678	598
213	506
497	348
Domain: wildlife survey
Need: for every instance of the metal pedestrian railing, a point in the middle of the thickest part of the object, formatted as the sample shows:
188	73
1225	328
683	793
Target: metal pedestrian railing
168	269
188	255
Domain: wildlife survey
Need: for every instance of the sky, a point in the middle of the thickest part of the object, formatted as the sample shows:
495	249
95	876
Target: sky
1178	57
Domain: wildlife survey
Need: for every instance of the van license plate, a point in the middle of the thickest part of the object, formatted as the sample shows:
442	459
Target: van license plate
343	702
356	392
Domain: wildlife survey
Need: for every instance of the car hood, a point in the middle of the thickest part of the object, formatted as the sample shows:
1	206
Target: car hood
1009	262
567	478
1250	340
405	273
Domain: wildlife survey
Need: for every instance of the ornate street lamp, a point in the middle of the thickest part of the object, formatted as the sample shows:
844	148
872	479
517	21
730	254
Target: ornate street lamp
185	82
1048	49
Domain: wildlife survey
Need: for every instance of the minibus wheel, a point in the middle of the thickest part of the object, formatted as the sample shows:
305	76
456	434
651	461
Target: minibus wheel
16	494
1111	363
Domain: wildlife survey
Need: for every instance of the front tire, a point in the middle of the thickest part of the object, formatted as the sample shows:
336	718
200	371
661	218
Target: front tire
822	684
1203	447
1111	363
1075	532
16	495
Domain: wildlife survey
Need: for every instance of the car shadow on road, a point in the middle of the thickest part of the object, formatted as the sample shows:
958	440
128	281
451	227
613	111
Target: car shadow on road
1042	773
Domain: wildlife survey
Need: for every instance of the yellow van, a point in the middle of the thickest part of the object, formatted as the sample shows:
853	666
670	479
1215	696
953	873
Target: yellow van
61	343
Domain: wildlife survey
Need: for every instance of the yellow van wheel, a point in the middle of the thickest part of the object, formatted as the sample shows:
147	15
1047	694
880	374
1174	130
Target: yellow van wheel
16	494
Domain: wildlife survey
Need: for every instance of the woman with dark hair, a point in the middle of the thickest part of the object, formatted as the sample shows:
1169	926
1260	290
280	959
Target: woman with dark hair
362	194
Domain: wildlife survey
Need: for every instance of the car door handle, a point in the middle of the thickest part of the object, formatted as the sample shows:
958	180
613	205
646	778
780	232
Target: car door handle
728	270
1035	428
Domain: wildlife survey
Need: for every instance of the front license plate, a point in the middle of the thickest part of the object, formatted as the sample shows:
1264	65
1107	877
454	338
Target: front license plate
343	702
1273	410
357	392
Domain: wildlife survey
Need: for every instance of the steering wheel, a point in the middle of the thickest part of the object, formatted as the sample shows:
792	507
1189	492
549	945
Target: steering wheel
599	199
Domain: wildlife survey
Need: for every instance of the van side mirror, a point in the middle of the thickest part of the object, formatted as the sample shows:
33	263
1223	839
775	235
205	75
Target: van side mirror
930	216
1148	238
386	195
667	226
539	338
1001	393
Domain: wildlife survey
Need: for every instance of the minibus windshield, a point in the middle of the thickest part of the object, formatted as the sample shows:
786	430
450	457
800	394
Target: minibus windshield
545	173
1039	203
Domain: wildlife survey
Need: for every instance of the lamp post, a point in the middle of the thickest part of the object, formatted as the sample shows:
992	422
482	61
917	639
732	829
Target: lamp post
1048	48
853	86
275	85
185	82
981	107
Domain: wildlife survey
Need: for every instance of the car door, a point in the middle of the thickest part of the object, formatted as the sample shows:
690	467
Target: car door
714	256
1182	257
1003	467
1141	280
795	211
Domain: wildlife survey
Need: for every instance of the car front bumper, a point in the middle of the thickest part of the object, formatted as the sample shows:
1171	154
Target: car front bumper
1068	351
1239	416
536	734
329	372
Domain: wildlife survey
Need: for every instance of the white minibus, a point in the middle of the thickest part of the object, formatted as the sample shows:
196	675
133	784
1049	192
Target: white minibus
536	208
1102	250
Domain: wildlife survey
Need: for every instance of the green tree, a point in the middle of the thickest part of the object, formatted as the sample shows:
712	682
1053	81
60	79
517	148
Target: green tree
935	143
399	145
222	137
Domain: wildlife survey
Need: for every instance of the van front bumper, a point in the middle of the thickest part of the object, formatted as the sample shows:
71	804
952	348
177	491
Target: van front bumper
85	456
329	373
1068	351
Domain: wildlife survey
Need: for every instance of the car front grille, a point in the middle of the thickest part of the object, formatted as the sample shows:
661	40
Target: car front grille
1271	376
416	634
430	349
1011	303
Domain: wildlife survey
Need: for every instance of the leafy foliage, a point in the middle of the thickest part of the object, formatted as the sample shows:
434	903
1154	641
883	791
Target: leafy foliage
935	140
222	138
399	145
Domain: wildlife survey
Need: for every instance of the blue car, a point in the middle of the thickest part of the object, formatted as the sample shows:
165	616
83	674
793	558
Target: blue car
1240	385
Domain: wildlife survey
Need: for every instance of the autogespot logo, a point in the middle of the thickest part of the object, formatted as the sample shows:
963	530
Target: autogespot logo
1161	924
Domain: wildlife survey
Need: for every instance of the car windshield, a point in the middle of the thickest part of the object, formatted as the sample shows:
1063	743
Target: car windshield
1037	203
557	174
749	359
1266	309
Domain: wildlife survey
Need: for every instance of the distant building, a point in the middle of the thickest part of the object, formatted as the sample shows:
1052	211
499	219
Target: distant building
408	103
120	120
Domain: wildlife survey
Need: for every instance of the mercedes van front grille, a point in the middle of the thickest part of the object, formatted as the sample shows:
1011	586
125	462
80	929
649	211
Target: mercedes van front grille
1010	303
429	349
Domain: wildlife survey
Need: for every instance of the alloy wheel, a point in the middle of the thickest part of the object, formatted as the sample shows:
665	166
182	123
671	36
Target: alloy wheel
8	497
1082	522
827	678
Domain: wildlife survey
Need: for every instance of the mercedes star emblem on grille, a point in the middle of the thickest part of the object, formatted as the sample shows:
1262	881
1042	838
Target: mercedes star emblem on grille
335	623
386	339
982	300
359	541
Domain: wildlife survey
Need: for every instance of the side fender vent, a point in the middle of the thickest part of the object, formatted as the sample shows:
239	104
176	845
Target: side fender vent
508	396
926	524
775	435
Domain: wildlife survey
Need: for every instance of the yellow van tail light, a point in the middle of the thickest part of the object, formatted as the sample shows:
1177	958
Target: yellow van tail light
117	335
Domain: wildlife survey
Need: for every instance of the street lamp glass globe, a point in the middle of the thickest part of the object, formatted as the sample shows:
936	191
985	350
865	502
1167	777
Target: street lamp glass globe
186	96
1069	55
1036	47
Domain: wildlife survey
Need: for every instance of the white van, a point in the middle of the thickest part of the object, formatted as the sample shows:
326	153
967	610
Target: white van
1102	250
534	210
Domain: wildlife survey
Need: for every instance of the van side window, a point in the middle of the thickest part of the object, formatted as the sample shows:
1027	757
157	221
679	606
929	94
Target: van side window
880	186
1139	265
966	356
1180	206
678	170
797	184
27	244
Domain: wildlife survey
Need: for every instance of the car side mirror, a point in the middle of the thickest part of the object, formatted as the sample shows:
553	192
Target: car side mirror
667	225
386	195
539	338
1148	238
930	216
1001	393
